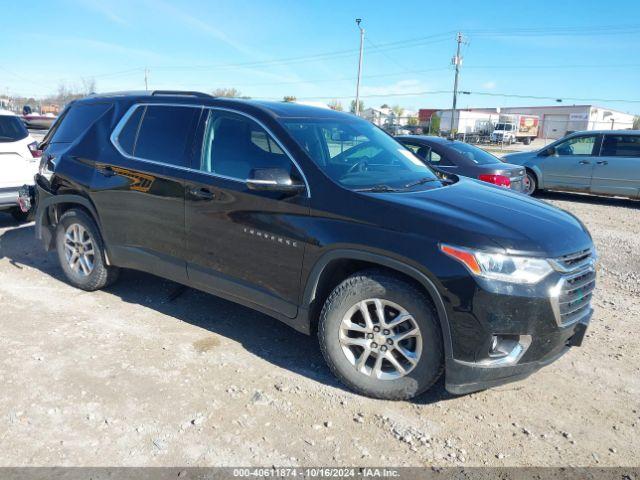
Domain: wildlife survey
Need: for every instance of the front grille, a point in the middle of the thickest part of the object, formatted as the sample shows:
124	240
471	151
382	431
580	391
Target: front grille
575	260
575	295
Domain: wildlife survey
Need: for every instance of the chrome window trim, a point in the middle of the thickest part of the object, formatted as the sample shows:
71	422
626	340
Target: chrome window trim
125	118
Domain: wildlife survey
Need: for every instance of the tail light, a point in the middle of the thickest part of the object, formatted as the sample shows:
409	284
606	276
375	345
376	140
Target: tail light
35	152
499	180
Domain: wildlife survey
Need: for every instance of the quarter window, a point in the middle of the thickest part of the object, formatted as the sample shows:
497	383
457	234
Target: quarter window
129	133
577	146
234	145
621	146
164	134
77	120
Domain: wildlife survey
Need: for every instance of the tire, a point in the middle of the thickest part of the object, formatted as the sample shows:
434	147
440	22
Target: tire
20	216
531	183
347	301
80	227
526	140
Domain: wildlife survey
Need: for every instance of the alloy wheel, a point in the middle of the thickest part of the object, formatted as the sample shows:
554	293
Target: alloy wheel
381	339
79	249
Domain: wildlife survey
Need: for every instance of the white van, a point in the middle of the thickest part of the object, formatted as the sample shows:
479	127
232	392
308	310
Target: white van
18	162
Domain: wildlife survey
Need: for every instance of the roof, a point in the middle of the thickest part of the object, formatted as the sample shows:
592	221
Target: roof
272	108
430	138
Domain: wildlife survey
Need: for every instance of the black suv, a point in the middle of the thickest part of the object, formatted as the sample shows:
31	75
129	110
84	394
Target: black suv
325	222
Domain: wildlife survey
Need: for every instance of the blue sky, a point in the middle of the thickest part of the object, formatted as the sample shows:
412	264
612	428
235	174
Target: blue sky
571	50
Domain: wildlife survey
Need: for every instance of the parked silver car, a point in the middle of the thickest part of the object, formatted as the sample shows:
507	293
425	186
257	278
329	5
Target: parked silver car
603	162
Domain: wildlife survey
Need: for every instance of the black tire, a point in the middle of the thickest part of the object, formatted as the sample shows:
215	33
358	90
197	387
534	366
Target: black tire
372	284
20	216
101	275
531	183
526	140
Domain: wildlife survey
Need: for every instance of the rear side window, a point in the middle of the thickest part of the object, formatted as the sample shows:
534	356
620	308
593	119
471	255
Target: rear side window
129	133
12	129
164	133
77	120
621	146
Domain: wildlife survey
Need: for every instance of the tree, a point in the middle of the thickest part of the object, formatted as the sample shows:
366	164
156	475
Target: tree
352	108
384	105
226	92
336	105
434	126
636	122
289	98
412	121
88	85
398	110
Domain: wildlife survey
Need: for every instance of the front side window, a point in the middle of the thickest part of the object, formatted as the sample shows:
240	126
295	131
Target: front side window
234	145
621	146
12	129
164	133
358	155
577	146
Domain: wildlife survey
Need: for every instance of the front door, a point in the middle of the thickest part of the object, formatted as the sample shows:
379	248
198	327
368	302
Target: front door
571	165
617	170
244	244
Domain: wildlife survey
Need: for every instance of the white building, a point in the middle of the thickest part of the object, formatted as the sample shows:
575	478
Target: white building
385	116
555	120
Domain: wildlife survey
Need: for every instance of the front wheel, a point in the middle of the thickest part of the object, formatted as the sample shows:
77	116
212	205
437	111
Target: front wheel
81	252
381	336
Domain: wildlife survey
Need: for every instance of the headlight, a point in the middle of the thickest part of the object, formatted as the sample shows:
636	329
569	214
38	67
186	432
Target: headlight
498	266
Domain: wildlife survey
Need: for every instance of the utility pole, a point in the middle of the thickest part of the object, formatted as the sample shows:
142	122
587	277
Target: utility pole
357	109
457	61
146	78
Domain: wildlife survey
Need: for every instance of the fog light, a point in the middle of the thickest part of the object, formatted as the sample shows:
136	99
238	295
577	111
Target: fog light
507	349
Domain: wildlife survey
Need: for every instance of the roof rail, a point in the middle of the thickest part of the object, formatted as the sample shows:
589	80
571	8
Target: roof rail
180	92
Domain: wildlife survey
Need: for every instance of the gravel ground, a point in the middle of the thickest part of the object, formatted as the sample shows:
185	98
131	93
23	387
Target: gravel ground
130	376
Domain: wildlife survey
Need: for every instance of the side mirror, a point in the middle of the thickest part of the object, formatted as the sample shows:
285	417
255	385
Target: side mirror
273	180
550	152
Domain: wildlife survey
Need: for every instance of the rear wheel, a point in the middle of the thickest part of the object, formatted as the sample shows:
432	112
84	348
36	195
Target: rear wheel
530	183
381	336
81	252
526	140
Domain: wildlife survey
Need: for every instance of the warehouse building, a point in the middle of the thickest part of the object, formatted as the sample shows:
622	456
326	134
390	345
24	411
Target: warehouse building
555	121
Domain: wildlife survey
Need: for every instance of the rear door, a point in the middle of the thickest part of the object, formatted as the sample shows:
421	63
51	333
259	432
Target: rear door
617	170
139	189
245	244
571	167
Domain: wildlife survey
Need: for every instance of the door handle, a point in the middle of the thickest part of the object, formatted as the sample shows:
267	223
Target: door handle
203	193
584	162
106	171
602	162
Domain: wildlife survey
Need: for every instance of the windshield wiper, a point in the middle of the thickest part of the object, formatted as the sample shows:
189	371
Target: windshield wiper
422	181
377	188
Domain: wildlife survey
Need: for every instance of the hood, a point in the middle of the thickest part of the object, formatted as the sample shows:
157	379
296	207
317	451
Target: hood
473	212
519	158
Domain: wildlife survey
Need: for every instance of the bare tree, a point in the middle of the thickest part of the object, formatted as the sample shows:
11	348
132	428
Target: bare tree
336	105
289	98
88	85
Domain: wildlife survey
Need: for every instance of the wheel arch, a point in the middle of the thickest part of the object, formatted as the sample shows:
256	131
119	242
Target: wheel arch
336	265
51	208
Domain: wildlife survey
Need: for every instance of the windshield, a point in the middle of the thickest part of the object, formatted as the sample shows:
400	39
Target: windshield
504	126
474	154
358	155
12	129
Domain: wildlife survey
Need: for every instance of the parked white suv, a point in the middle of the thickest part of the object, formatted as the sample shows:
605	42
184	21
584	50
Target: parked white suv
18	162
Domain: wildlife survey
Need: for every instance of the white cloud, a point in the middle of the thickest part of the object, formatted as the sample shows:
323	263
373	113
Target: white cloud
103	8
490	85
401	87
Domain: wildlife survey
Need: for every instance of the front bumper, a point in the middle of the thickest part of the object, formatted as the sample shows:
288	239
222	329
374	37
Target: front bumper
466	377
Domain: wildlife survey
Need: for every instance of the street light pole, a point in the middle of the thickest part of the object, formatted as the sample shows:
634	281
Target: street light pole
456	61
357	109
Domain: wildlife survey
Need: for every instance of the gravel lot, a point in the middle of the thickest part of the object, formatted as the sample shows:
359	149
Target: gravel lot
133	376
